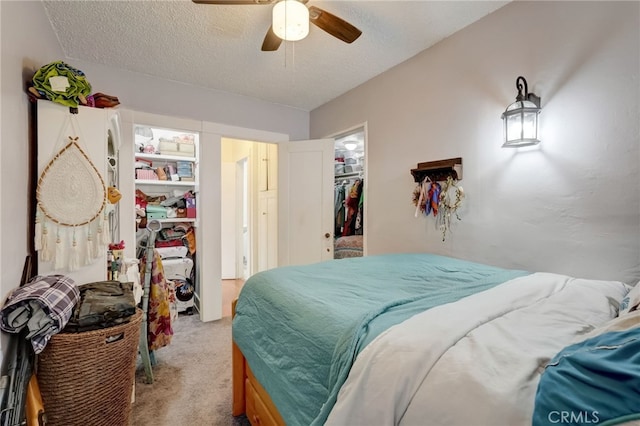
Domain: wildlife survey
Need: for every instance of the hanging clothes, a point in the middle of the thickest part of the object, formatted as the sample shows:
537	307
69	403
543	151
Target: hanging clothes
360	214
339	210
352	203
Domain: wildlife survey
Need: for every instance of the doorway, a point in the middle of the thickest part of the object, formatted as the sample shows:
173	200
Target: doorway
249	207
289	198
349	193
243	248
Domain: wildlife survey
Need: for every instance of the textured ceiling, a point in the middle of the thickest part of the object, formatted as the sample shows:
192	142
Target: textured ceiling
218	47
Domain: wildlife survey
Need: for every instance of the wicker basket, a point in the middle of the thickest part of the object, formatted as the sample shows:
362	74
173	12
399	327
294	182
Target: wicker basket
87	378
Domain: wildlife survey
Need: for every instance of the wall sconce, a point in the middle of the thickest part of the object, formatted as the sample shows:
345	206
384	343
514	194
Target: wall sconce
290	20
521	118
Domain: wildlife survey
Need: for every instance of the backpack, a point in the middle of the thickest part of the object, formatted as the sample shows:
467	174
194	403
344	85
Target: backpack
102	304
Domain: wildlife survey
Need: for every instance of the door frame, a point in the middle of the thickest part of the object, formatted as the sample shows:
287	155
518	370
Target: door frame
209	267
211	146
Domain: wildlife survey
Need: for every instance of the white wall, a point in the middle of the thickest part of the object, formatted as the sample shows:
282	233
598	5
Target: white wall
27	43
228	206
146	93
571	205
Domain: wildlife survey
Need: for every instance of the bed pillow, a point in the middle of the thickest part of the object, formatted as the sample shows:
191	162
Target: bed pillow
631	301
596	381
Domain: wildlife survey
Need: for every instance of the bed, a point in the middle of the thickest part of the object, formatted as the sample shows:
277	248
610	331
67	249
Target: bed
405	339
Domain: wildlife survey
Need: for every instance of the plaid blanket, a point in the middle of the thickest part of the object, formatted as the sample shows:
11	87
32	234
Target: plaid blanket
43	305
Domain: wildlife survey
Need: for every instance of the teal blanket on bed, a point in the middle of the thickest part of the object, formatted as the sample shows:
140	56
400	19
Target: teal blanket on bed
300	328
596	381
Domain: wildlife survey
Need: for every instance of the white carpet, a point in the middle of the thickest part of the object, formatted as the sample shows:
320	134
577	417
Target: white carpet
192	378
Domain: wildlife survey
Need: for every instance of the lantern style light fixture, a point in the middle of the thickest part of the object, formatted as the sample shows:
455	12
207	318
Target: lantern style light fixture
521	118
290	20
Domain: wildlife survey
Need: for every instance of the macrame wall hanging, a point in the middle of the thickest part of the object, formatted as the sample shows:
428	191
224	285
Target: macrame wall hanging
442	201
71	224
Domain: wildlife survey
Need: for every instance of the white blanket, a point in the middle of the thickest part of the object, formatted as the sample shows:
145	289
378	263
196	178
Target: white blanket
476	361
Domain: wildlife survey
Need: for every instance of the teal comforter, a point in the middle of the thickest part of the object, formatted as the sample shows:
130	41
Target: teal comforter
596	381
300	328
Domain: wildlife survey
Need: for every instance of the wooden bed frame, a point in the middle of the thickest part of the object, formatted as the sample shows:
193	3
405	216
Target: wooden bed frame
249	397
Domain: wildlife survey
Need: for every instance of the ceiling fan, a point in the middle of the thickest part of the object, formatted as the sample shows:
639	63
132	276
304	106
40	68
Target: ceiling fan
322	19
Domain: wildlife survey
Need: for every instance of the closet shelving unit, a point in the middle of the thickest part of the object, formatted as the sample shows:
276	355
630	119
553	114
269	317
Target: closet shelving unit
166	186
181	177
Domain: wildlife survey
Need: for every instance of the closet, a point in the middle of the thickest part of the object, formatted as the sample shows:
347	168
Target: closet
166	178
349	195
206	186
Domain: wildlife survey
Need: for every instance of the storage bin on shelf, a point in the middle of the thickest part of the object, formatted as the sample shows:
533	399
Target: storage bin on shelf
87	378
191	207
177	147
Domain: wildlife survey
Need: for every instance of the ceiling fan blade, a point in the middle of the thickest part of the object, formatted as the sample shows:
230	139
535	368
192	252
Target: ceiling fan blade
232	2
271	41
335	26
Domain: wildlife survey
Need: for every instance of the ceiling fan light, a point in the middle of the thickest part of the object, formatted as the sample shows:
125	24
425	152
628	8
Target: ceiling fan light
290	20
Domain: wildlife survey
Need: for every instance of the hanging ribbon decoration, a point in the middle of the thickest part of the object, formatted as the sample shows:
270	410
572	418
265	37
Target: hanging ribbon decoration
420	197
430	197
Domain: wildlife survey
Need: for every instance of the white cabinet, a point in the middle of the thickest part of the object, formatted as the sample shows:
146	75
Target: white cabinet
94	128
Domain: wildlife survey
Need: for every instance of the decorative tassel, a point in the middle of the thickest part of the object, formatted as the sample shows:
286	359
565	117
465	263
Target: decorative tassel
106	238
96	249
99	237
45	252
58	262
74	258
37	240
103	229
90	251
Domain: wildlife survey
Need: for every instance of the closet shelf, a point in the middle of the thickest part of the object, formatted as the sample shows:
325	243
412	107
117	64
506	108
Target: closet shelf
162	157
348	175
177	220
164	182
438	170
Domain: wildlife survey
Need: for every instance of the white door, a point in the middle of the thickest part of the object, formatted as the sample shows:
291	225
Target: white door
305	201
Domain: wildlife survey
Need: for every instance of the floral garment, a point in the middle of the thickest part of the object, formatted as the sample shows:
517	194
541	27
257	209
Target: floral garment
161	294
